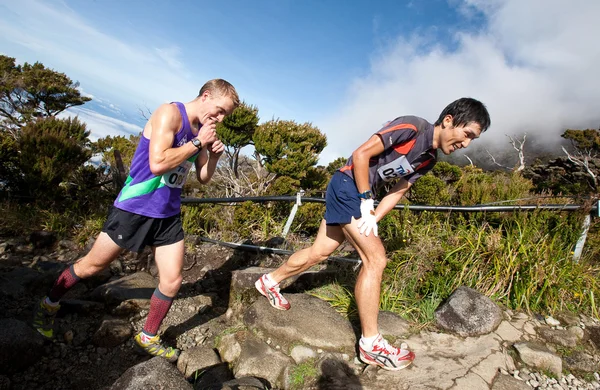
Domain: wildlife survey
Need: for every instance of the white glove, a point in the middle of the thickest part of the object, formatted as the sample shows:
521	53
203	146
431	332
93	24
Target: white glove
367	221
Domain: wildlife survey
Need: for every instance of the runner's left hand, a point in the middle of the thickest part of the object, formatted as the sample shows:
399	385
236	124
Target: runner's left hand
368	221
217	148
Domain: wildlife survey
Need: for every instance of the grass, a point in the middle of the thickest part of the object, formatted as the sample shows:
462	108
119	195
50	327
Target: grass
522	261
303	373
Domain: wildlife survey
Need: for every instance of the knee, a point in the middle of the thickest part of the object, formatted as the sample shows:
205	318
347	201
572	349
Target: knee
375	264
170	286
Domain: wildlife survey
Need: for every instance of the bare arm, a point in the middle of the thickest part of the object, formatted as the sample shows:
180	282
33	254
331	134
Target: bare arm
360	161
392	198
207	164
164	124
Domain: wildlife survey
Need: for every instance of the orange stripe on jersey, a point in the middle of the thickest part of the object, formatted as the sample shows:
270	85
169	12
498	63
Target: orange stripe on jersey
346	168
399	127
405	147
423	164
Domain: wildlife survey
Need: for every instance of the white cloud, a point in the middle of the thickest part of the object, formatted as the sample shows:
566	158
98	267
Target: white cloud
534	65
100	125
126	72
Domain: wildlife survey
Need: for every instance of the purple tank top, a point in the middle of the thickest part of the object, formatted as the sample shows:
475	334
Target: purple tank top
156	196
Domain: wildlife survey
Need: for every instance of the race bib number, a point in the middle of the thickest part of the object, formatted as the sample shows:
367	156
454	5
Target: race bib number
176	177
398	168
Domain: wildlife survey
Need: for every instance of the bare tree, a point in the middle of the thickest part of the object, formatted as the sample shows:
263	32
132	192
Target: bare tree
519	147
583	158
519	150
252	178
468	158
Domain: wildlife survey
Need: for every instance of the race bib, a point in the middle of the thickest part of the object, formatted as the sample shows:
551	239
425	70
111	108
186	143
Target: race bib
398	168
176	177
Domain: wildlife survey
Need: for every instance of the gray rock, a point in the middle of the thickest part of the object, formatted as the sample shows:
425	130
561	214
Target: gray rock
131	306
18	336
581	361
310	321
391	324
156	374
568	319
41	239
507	382
195	359
558	336
594	334
229	348
112	332
468	313
259	360
539	357
140	285
302	353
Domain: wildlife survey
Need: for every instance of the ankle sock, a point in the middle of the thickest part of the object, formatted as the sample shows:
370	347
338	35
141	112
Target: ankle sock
48	302
269	281
145	338
368	341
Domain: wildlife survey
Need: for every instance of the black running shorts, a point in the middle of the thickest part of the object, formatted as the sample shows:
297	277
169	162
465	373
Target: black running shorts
133	231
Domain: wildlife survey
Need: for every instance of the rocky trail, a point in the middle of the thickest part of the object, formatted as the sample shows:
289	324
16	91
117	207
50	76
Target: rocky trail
232	340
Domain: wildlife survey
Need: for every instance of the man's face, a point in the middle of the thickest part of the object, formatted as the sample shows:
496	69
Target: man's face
453	138
217	107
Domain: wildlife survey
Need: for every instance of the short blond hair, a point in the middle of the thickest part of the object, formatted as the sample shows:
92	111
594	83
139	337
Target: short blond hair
223	88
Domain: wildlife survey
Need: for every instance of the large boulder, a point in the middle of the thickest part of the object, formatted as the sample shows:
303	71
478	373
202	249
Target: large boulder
112	332
21	345
196	359
468	313
310	321
257	359
140	285
539	357
156	373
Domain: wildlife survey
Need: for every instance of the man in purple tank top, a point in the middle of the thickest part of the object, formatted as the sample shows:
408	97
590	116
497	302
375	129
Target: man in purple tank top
147	210
398	154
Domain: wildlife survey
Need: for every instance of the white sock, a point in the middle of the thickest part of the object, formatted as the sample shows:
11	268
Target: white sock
145	338
368	341
48	302
269	281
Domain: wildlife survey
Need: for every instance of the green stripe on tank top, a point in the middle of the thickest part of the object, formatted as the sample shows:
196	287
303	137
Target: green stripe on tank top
144	187
139	189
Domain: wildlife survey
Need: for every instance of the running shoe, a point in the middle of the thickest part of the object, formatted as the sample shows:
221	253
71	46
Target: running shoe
386	356
154	347
272	293
43	318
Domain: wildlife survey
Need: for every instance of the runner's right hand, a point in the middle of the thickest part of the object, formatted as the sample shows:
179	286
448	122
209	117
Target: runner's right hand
208	132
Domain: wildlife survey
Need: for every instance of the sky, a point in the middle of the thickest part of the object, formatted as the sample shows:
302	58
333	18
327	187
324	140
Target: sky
345	66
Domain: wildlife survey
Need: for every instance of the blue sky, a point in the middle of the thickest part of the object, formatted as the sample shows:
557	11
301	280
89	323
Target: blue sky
345	66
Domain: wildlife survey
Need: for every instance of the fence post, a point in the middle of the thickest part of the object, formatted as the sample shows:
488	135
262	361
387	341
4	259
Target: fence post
290	219
581	241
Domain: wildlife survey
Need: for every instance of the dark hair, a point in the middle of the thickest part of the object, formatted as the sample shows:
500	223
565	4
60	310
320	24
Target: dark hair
464	111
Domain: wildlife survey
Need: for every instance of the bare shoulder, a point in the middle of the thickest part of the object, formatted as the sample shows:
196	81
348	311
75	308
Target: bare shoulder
167	116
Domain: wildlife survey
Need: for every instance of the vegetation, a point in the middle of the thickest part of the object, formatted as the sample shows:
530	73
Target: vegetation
521	260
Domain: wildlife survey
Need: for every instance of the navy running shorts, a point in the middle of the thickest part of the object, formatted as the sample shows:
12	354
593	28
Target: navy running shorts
341	200
133	231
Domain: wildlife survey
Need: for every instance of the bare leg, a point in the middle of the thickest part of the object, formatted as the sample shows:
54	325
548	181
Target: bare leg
104	251
327	241
169	260
368	284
